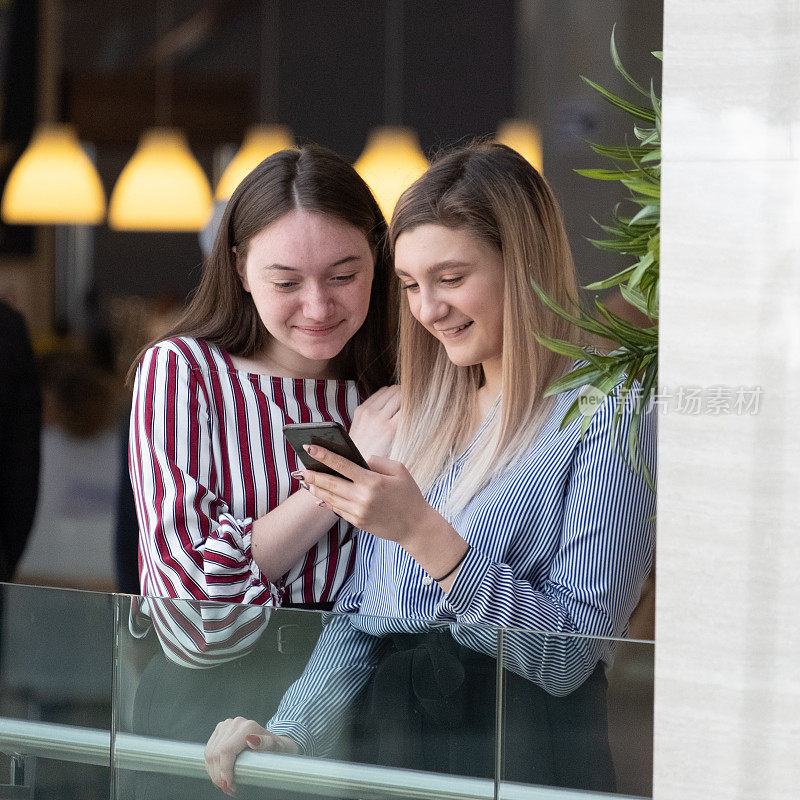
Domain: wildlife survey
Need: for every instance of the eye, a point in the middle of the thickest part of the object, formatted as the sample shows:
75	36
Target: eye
452	281
344	278
409	287
284	285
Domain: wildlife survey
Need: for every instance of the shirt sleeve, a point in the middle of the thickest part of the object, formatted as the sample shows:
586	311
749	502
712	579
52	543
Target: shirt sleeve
190	545
316	706
604	555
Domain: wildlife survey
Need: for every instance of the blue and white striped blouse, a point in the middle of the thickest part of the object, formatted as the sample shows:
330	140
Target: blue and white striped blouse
561	543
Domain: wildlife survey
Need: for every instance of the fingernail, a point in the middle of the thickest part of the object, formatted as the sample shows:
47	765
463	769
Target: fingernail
303	484
297	474
310	449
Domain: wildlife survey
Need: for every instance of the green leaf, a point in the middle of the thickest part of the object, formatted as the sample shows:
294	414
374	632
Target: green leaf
614	280
583	322
624	153
642	187
604	174
635	111
624	247
586	421
659	54
618	65
622	395
649	211
643	201
571	414
644	264
572	380
561	347
653	155
635	298
653	302
639	337
654	101
646	136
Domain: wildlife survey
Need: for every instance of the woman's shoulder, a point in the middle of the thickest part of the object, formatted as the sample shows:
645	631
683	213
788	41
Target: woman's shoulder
195	354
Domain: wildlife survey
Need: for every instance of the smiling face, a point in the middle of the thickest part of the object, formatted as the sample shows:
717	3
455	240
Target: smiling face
454	285
310	277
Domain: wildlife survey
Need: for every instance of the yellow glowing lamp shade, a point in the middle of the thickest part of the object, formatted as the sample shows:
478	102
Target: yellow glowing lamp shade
392	160
259	142
524	137
162	187
53	183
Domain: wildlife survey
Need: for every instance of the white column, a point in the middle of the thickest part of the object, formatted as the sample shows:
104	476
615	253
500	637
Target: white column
727	703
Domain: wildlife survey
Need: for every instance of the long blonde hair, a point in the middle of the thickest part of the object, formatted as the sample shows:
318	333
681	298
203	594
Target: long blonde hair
491	192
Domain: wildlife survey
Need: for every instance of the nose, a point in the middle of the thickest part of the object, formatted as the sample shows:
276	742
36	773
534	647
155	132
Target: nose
317	303
429	307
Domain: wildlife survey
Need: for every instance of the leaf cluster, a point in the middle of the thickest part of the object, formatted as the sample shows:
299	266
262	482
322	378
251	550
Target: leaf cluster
634	233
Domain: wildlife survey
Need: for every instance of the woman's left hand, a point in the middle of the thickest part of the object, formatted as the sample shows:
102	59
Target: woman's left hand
384	500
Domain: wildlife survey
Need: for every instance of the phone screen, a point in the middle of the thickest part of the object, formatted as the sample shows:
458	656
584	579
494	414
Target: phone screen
330	435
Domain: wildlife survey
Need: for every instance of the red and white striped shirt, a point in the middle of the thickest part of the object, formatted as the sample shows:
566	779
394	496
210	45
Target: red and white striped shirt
207	457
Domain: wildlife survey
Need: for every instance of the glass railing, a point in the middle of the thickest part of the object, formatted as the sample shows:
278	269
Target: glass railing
115	696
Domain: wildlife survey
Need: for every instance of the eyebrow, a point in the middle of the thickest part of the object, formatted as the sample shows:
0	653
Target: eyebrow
434	269
284	268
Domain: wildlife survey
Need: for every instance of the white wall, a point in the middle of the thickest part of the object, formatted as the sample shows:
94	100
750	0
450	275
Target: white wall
727	630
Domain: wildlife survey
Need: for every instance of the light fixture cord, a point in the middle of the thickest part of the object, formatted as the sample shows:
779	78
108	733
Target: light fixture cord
393	67
270	61
163	109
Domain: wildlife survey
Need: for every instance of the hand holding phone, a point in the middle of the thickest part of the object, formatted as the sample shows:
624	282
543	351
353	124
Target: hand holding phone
330	435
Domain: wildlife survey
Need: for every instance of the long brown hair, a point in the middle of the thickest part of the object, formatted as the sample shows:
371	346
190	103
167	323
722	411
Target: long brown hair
315	179
491	192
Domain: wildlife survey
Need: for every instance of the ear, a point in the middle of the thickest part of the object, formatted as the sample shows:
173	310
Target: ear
241	270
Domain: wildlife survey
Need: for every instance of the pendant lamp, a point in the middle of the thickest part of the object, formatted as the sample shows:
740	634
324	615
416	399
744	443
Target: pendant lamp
259	142
54	182
162	187
524	137
392	159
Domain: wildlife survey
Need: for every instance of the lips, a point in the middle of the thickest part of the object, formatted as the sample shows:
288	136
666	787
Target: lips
451	333
318	331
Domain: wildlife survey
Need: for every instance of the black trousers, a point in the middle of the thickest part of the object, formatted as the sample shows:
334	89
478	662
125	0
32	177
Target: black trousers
432	705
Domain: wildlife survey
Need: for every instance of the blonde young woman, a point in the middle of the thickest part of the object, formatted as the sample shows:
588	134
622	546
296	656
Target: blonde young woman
487	514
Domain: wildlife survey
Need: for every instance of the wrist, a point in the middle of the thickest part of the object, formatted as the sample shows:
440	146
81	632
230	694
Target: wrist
434	544
419	528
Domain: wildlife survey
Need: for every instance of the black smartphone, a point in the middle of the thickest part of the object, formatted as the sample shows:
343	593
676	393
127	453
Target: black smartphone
330	435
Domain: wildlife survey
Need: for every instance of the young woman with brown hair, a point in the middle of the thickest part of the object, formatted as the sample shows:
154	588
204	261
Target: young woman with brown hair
292	322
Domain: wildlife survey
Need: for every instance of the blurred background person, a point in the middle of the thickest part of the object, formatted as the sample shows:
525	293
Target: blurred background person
70	543
20	421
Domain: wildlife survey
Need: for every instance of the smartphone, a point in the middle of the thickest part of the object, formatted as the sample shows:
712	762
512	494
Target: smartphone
330	435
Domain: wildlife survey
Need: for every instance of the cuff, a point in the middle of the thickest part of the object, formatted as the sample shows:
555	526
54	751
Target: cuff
467	582
228	545
298	732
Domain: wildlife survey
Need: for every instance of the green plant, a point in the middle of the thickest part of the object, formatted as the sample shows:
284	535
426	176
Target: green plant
633	233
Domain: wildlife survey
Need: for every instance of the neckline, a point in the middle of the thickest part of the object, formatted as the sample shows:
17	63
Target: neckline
477	435
226	357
